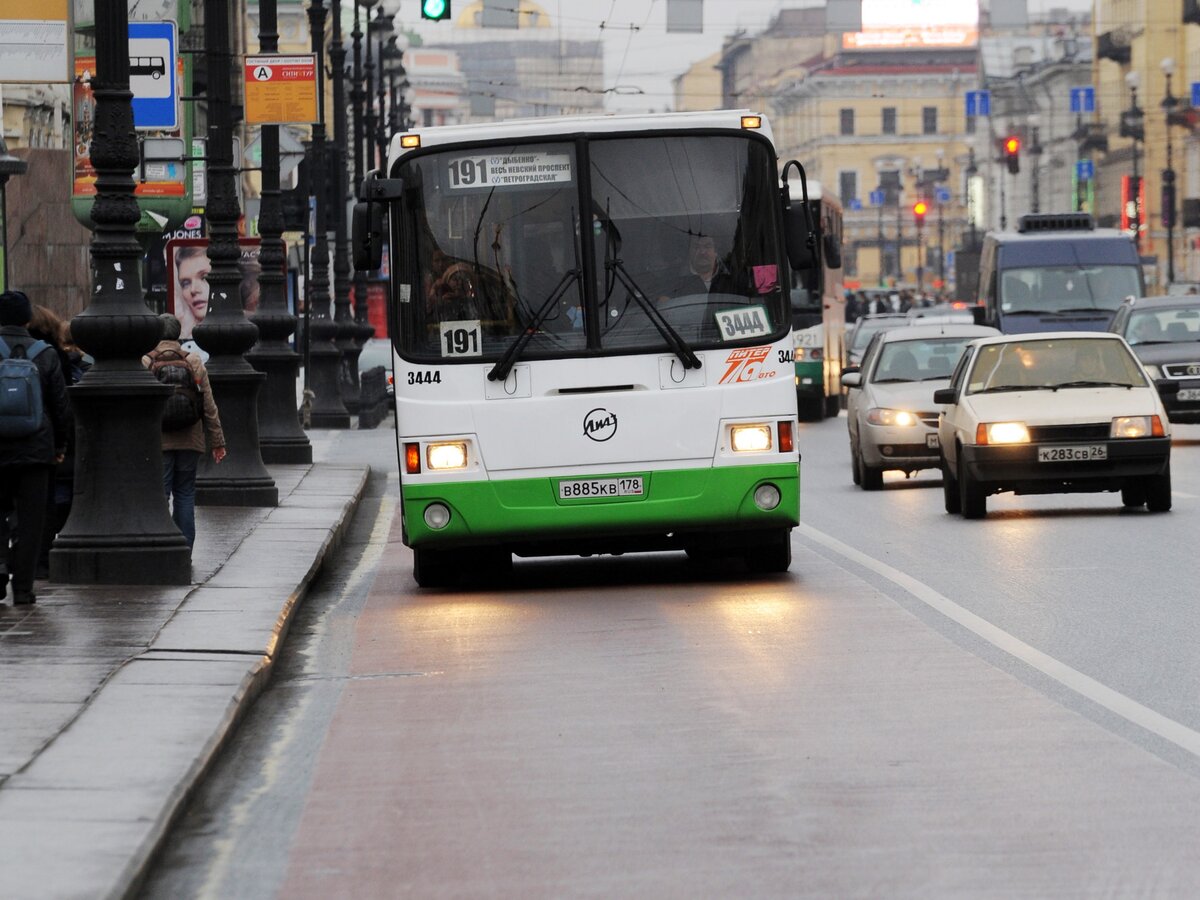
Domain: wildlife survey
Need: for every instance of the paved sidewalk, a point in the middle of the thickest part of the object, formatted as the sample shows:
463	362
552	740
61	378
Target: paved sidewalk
115	700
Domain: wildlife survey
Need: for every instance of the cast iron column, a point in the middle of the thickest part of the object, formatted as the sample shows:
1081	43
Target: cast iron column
362	158
325	359
280	437
120	530
226	334
346	331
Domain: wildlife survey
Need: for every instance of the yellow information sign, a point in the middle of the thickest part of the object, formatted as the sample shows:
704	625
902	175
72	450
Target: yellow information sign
281	89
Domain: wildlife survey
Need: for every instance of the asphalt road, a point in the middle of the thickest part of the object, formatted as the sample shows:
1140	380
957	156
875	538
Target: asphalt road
923	707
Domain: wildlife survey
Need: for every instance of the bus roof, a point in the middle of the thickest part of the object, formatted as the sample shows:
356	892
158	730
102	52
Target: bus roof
563	126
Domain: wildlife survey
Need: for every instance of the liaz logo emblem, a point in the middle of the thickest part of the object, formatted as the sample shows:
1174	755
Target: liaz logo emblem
746	365
599	425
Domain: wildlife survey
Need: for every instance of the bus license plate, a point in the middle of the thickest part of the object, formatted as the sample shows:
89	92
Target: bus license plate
931	442
600	488
1188	395
1073	453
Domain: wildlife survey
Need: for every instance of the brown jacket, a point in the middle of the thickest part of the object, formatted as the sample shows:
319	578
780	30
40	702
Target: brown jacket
209	426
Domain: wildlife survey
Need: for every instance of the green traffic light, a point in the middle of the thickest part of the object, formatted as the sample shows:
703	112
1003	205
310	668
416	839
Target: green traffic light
435	9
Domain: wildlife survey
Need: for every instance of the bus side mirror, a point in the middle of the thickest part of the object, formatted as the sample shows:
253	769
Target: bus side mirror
801	249
979	315
367	236
833	251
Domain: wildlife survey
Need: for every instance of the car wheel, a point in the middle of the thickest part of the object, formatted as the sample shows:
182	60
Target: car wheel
854	470
1158	491
950	490
772	554
972	500
870	477
1133	495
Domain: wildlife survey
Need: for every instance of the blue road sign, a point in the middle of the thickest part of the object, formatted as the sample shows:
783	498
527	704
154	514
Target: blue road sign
876	198
153	55
1196	93
979	103
1083	99
1084	170
855	204
942	194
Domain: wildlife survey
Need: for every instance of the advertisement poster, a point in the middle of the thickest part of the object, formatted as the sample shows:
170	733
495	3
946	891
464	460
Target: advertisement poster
188	269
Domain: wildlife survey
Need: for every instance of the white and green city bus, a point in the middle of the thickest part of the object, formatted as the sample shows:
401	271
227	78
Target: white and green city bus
565	381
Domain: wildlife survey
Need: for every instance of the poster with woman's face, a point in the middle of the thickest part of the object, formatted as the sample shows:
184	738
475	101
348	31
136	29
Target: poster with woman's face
188	289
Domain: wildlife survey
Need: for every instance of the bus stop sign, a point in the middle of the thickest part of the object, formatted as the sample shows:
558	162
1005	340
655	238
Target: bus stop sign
153	58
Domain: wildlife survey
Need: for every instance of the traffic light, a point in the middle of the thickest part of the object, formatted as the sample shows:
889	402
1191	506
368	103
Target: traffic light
919	210
435	10
1012	154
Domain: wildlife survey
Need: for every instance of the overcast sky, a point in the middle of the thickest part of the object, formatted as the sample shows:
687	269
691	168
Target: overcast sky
639	55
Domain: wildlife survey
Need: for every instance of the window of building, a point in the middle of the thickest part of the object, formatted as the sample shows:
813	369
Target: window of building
847	120
889	120
929	120
890	183
847	187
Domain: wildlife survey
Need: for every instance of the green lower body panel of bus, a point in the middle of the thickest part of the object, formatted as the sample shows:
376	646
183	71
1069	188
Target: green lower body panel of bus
810	377
645	510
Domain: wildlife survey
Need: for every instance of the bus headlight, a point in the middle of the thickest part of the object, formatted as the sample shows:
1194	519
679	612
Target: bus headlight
901	417
447	455
750	438
437	516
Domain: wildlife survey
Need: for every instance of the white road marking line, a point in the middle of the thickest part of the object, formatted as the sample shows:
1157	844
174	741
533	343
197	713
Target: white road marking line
1125	707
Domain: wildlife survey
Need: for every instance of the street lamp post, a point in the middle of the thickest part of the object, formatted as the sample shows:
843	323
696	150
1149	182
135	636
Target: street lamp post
120	529
381	26
346	331
280	437
226	334
1035	153
325	359
1132	127
1168	176
358	96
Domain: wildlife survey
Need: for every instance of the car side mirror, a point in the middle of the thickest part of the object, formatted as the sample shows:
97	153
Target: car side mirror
945	396
851	379
979	315
1166	387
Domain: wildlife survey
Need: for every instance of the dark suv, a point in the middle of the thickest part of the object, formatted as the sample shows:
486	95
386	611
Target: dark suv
1164	332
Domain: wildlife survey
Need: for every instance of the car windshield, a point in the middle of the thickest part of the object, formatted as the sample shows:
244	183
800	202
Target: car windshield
1066	289
1053	364
1173	325
867	327
918	360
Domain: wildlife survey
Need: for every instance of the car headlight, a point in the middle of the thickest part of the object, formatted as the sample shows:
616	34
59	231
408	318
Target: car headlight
1002	433
1135	427
750	438
901	417
448	455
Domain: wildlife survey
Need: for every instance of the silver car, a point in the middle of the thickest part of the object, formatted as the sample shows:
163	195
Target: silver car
889	408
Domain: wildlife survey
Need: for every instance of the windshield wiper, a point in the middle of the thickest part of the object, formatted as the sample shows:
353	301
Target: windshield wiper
1073	384
1093	310
1001	388
504	365
894	380
614	267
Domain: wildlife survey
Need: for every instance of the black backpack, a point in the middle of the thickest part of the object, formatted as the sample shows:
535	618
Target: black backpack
20	390
184	406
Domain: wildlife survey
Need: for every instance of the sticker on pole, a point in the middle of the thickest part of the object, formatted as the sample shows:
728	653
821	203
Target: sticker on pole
281	89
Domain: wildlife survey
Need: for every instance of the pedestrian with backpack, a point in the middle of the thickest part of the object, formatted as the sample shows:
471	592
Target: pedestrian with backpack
33	435
191	424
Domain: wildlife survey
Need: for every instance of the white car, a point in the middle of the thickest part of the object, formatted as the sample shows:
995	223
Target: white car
889	409
1050	413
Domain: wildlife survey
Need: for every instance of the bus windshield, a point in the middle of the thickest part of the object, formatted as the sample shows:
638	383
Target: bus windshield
1066	289
680	248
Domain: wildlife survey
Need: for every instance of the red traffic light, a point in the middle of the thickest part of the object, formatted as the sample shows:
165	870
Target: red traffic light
920	208
1012	145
